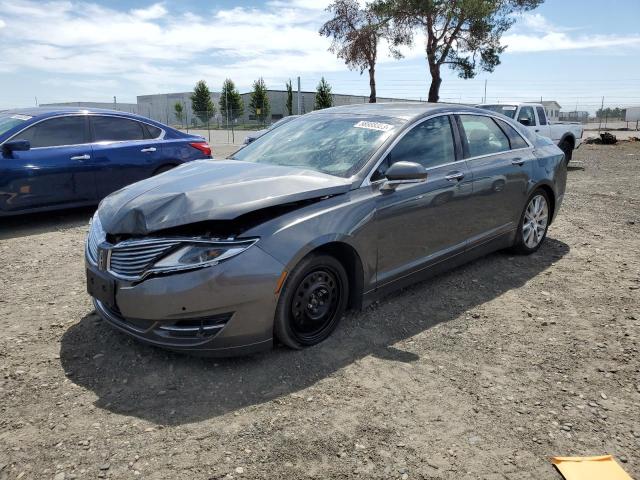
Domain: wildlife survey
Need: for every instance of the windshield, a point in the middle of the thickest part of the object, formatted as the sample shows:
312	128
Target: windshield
335	144
282	121
10	120
508	110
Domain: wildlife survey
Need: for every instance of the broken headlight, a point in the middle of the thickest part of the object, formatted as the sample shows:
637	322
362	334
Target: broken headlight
201	254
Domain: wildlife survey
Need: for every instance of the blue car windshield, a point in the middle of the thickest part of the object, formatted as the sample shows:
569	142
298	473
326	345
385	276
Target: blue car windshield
10	120
336	144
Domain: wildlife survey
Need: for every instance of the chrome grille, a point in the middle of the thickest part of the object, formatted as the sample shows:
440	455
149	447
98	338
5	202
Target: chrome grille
96	237
131	259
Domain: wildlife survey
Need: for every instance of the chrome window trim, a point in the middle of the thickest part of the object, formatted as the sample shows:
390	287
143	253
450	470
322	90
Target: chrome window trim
107	142
367	181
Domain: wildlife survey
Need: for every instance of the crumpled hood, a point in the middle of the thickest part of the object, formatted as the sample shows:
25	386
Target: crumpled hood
210	190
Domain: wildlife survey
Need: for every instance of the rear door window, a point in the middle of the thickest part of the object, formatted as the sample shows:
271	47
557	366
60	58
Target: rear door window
56	132
482	136
116	129
515	138
542	117
152	132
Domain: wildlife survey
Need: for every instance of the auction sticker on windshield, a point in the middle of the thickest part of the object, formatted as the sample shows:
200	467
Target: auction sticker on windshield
383	127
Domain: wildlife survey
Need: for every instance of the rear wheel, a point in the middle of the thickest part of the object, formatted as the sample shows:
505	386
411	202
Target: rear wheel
567	148
534	223
312	301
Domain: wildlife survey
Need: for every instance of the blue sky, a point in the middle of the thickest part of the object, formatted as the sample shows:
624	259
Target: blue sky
68	50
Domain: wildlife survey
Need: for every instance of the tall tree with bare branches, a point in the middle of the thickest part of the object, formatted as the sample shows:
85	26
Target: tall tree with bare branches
461	34
356	33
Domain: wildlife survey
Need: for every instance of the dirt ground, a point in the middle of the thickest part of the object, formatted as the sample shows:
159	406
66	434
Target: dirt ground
481	373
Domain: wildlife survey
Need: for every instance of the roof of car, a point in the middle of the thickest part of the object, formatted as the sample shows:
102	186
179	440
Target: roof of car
401	110
48	111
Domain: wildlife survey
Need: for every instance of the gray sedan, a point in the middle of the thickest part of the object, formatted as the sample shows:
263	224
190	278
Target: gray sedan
328	212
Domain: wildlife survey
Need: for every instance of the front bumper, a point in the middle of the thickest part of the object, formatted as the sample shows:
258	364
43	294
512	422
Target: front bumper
223	310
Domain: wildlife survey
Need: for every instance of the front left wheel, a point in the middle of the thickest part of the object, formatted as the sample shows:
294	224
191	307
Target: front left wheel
312	301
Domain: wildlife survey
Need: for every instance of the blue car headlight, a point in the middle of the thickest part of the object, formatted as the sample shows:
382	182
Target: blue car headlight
201	254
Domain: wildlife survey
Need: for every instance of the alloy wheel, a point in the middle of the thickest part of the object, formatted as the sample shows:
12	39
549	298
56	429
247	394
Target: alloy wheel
536	219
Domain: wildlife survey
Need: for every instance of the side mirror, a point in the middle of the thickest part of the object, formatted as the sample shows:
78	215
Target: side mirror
16	146
404	172
525	121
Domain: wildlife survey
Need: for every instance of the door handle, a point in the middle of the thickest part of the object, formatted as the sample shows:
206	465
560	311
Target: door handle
81	157
148	149
517	161
454	176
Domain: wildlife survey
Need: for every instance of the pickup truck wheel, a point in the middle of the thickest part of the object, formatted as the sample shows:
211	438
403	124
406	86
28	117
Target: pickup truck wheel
567	148
534	222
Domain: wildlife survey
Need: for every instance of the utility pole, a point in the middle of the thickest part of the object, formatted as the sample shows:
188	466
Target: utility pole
36	101
299	105
485	91
601	112
115	103
226	109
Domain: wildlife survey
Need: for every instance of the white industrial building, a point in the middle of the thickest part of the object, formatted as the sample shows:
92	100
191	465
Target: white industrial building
161	106
632	114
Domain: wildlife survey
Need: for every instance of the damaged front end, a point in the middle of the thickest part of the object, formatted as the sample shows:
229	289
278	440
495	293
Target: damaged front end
203	244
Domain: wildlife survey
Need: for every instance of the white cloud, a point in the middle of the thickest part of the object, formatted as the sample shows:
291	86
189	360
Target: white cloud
155	11
156	49
160	50
534	33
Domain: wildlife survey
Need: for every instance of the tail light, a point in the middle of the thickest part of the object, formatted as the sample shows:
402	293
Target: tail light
203	147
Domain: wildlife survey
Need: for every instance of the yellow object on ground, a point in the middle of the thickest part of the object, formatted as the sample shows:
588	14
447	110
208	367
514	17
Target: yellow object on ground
590	468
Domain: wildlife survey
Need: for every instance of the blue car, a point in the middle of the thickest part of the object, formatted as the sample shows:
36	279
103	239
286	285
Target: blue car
54	158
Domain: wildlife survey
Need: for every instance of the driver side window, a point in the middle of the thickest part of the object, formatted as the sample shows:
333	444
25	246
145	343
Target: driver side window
429	143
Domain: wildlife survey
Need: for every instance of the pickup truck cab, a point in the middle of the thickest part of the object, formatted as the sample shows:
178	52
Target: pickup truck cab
567	135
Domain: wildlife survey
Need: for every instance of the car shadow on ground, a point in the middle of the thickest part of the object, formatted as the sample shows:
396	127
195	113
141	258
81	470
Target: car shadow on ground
36	223
171	389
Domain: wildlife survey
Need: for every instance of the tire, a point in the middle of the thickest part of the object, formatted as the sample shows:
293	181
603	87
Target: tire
529	240
312	302
567	149
163	168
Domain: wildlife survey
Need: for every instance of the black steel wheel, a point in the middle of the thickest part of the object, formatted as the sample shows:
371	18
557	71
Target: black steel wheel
312	301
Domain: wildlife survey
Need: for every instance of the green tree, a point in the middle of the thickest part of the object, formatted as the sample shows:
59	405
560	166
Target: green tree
323	99
356	32
259	102
462	34
201	102
609	112
178	112
230	99
289	97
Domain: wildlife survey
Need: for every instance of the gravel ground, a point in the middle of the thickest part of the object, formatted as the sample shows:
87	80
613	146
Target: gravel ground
481	373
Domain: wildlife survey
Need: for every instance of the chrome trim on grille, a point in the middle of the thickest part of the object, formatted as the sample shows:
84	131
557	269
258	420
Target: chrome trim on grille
132	258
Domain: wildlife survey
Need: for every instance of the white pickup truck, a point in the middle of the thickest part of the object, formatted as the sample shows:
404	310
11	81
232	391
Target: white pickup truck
567	135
